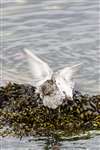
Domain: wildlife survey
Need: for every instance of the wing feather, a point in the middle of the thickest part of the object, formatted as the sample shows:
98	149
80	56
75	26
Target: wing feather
40	70
64	79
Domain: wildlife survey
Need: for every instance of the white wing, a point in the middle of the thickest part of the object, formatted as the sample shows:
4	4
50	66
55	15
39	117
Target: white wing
64	80
40	70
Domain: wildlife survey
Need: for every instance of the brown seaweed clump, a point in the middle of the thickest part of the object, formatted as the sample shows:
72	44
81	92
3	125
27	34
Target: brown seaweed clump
22	113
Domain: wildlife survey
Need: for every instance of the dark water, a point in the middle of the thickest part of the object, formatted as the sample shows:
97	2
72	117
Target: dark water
61	32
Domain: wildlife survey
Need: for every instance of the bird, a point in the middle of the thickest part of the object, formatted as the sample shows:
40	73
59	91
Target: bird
53	86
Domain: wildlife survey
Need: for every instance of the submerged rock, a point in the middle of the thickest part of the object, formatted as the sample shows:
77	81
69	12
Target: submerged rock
22	113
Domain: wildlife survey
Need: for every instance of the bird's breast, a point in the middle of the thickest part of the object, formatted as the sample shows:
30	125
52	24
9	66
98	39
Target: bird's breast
53	100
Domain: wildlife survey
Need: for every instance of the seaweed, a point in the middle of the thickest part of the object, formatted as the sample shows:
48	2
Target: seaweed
22	113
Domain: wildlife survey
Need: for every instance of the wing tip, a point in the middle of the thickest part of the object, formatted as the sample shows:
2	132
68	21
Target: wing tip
29	53
26	51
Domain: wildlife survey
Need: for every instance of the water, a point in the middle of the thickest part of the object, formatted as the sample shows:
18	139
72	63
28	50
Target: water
44	143
61	32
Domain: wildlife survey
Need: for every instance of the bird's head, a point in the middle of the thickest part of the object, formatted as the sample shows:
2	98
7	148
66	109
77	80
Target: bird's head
48	87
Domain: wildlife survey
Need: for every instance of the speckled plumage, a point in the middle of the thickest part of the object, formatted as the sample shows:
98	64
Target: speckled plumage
51	95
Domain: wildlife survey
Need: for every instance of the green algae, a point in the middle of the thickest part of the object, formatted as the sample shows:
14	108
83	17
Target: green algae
22	113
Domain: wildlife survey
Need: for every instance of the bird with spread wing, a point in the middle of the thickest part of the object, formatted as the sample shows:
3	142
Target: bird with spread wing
53	87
